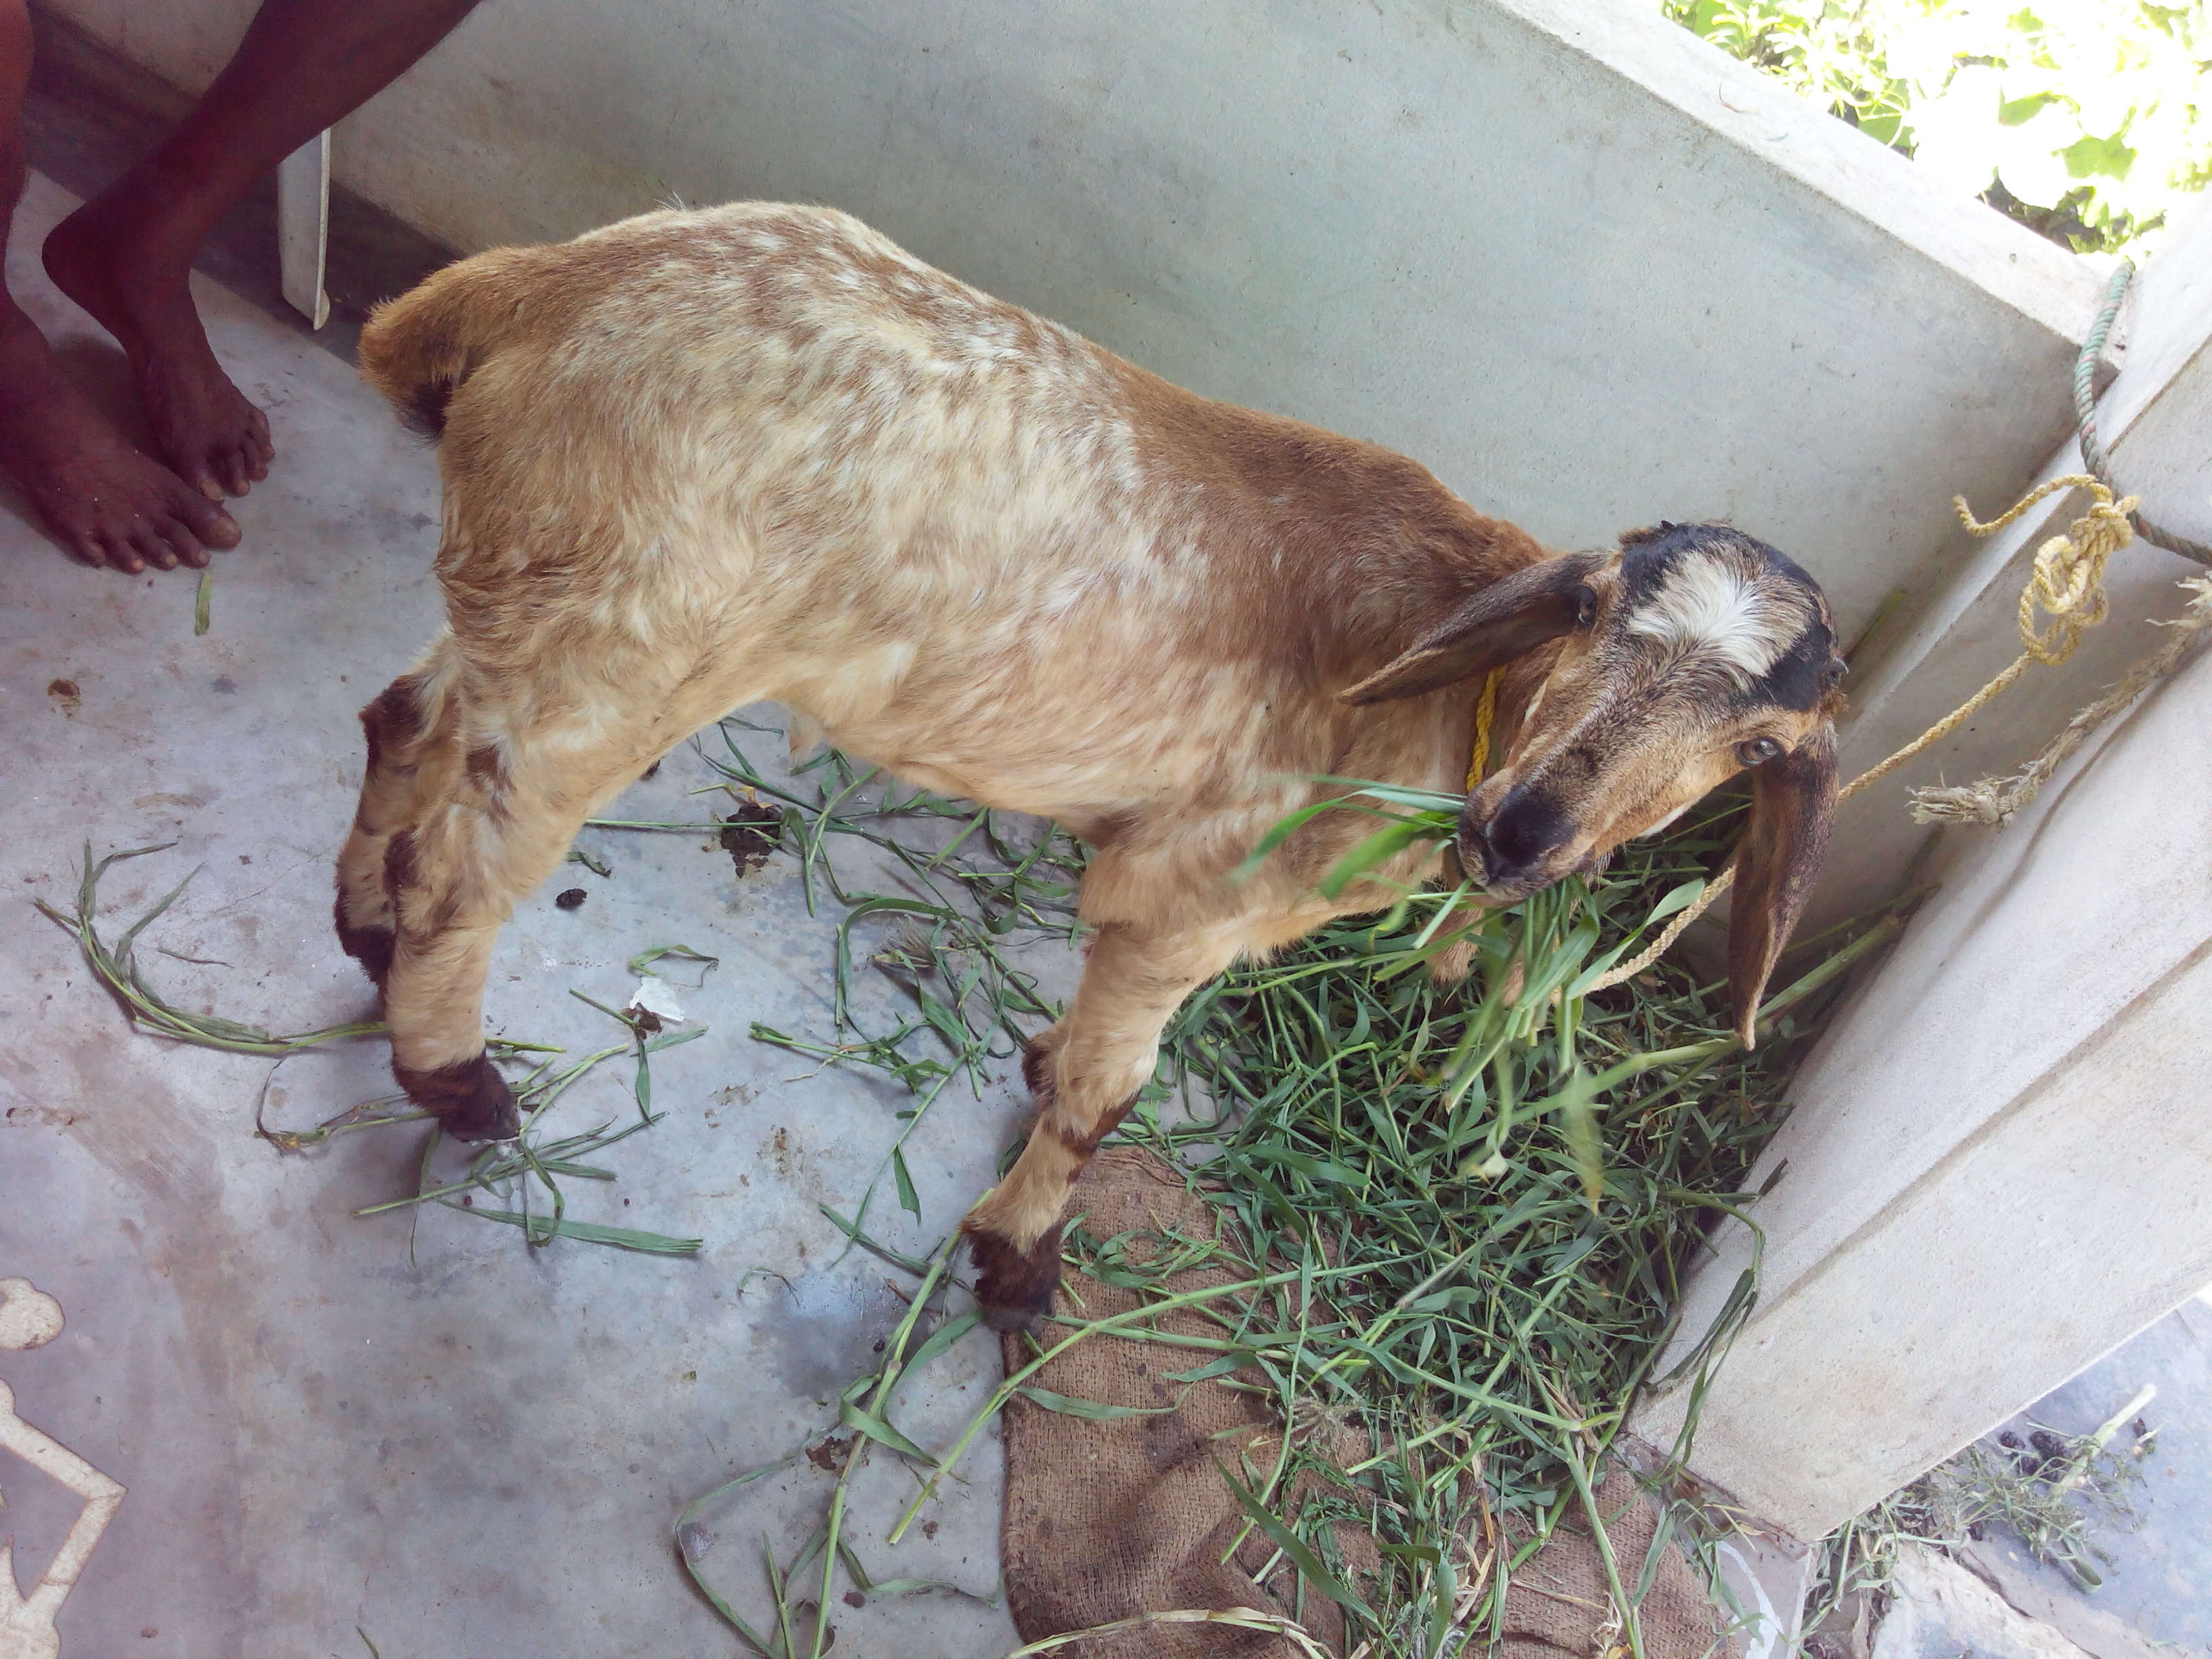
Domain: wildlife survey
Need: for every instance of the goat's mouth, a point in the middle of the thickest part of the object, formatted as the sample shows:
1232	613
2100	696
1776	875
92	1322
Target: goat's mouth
1495	877
1514	841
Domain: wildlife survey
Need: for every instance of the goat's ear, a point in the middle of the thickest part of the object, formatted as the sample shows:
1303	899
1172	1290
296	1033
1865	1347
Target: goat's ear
1793	802
1510	617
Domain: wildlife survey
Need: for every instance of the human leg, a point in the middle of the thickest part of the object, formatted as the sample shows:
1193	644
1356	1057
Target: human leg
101	498
126	254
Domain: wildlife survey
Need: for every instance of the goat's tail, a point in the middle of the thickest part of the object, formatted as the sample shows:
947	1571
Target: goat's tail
418	348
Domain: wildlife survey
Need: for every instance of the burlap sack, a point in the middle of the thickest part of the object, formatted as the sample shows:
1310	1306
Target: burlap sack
1559	1602
1106	1520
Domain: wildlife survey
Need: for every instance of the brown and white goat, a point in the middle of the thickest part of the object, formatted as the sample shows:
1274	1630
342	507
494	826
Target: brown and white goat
700	459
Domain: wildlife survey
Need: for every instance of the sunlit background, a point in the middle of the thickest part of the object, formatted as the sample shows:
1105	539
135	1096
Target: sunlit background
2084	119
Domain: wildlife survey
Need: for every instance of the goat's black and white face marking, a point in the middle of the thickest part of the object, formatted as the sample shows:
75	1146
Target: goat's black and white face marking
1695	652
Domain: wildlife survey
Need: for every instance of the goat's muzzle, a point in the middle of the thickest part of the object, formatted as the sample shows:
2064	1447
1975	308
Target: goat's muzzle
1511	844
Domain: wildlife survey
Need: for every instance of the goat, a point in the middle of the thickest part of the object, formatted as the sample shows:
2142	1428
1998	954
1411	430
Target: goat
700	459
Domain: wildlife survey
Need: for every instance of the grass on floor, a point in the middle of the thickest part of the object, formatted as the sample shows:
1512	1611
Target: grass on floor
521	1178
2053	1491
1470	1211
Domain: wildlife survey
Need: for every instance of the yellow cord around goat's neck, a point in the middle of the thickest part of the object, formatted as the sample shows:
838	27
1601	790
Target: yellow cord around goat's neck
2067	584
1477	764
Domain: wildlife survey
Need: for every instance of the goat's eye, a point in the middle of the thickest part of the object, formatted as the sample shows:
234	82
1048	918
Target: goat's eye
1757	751
1585	607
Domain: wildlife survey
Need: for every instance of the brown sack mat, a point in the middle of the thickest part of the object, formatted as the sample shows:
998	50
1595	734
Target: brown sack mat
1110	1519
1107	1519
1559	1602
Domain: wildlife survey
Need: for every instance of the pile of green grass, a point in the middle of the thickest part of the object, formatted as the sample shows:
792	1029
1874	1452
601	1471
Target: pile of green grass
1465	1212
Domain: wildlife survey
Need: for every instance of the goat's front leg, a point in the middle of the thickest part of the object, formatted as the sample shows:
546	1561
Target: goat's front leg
1085	1073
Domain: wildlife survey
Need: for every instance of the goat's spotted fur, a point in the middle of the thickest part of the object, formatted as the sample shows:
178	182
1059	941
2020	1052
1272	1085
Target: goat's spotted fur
698	460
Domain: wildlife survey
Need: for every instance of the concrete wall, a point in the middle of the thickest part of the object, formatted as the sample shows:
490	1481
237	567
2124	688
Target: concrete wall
1966	627
1591	270
2000	1164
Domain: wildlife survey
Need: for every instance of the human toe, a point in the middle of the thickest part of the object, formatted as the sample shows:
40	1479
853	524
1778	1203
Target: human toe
86	547
204	521
195	470
185	545
115	552
148	543
227	461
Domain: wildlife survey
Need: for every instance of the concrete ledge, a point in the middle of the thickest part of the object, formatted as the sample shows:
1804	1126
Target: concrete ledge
1805	143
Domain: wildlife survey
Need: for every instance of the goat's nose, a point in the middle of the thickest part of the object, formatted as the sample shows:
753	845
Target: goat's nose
1525	828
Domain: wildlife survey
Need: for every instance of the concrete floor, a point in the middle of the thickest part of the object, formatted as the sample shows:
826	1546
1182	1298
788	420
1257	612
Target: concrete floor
2159	1585
450	1443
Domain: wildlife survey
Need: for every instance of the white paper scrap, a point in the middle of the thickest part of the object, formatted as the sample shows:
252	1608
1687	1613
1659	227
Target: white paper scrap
657	996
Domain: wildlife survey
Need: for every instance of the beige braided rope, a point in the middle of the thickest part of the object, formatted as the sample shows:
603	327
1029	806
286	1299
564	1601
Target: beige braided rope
1994	800
2067	584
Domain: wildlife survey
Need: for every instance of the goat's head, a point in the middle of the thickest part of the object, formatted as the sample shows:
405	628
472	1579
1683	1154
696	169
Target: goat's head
1691	654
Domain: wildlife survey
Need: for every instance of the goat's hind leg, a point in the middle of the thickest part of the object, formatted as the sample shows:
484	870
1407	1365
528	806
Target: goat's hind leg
399	726
494	820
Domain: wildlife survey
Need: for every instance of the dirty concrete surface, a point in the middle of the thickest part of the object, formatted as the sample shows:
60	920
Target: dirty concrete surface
2157	1585
415	1428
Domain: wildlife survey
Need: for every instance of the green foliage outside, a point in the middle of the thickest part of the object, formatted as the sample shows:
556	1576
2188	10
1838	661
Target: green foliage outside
2089	121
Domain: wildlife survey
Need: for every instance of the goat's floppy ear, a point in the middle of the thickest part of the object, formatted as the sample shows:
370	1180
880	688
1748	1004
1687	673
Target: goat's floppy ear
1793	802
1511	617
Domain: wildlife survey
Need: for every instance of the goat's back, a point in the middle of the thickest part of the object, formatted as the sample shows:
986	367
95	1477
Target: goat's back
964	539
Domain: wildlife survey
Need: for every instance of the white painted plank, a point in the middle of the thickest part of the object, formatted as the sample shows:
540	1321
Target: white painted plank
303	222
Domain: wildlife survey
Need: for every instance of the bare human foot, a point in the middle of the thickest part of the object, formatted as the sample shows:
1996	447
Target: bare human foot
120	258
101	498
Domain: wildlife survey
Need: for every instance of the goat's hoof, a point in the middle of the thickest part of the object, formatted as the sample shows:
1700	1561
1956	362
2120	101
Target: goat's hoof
469	1099
1015	1287
371	947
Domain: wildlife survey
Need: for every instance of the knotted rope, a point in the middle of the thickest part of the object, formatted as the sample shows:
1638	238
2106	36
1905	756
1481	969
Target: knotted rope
2067	584
1994	800
2085	416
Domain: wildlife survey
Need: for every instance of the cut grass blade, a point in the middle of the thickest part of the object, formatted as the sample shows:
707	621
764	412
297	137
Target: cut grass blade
116	966
688	1544
625	1238
1098	1411
1228	1619
1301	1553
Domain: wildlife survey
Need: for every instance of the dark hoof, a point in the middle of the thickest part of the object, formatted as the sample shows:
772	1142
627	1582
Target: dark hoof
369	946
1015	1288
469	1099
